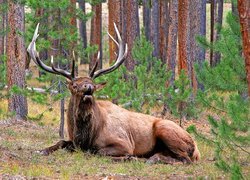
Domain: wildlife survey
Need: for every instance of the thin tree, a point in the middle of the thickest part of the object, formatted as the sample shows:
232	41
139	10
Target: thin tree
2	28
114	16
194	30
164	29
244	14
218	21
183	35
155	27
132	29
172	40
16	54
234	7
82	26
212	31
172	45
202	12
202	21
96	33
146	18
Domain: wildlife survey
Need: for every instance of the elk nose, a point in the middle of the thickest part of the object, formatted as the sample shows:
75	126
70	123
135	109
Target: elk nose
88	87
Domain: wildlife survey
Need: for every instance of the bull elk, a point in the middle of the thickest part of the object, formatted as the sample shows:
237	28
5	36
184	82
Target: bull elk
104	128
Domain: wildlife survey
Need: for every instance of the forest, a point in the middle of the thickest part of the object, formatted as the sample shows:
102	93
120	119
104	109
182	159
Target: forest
173	69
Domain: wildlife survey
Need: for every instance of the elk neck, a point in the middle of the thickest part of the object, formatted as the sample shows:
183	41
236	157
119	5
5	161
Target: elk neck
86	124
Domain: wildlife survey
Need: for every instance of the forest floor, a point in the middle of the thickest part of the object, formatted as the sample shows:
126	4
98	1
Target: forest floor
18	160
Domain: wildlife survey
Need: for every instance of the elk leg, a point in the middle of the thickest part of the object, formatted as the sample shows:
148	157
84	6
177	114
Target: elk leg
175	140
115	150
68	145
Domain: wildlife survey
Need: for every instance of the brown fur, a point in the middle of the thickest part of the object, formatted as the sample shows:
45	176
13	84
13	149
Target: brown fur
107	129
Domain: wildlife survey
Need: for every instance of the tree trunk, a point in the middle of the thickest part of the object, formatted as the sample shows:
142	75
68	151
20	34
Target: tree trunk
182	35
244	14
16	54
164	29
2	30
202	10
146	18
132	29
172	40
114	10
155	27
219	19
234	7
194	30
83	31
212	15
201	51
96	34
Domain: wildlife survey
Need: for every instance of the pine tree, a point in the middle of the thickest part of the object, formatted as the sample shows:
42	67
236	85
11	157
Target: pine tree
225	93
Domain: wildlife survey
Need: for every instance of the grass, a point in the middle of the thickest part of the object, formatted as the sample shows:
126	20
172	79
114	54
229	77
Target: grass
19	142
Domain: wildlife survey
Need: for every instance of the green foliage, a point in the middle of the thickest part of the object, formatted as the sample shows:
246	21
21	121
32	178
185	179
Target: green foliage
179	99
142	88
225	93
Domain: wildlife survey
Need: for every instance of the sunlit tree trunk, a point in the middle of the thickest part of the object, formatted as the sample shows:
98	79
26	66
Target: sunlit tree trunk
183	35
244	14
16	54
96	33
132	29
114	10
164	29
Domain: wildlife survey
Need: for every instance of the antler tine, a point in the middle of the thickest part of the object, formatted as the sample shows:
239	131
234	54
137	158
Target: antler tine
95	65
34	56
73	65
120	58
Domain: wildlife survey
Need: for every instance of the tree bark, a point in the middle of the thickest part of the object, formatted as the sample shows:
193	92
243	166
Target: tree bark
182	35
172	40
83	30
96	34
202	9
219	19
155	27
201	51
244	14
164	29
212	20
194	30
132	29
2	30
114	10
16	54
146	18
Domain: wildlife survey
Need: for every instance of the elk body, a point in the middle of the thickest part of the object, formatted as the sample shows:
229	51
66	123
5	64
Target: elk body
107	129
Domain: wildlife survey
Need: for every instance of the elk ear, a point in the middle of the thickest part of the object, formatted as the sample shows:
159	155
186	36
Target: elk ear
68	81
100	86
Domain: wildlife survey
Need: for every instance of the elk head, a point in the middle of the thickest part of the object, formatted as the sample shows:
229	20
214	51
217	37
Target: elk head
82	87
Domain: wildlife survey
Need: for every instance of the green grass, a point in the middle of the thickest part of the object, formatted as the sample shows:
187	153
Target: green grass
17	157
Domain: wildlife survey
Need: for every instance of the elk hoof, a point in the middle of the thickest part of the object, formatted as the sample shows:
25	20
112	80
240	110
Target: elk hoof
42	152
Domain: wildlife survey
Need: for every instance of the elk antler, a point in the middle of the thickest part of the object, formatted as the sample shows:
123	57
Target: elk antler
34	56
120	58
